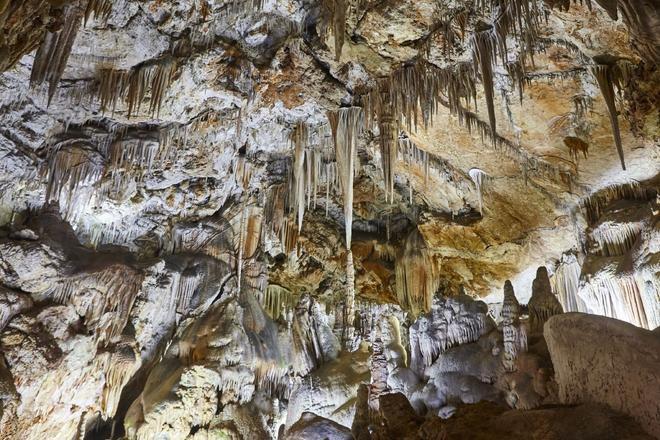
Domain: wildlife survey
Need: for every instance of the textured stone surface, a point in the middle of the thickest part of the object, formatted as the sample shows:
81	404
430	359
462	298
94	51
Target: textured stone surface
173	227
607	361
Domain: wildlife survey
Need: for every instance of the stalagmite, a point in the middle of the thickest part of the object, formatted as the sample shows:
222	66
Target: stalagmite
479	178
543	304
378	366
606	76
515	339
416	278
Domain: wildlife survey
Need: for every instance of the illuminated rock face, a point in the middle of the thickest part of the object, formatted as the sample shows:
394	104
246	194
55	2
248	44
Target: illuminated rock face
277	218
592	360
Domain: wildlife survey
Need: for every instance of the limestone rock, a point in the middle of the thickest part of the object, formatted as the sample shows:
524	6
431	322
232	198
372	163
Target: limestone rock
603	360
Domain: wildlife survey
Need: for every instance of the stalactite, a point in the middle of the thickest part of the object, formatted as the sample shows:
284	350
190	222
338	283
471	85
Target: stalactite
53	53
335	11
299	139
482	53
479	178
616	238
543	304
253	233
289	236
346	125
416	276
606	76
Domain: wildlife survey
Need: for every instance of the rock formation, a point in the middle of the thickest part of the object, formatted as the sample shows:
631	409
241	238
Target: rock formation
583	375
294	218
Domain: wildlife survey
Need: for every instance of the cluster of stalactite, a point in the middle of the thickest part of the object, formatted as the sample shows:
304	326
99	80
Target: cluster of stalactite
278	302
54	51
103	160
411	154
89	163
118	366
566	282
74	168
416	274
519	18
99	9
616	238
132	86
107	314
618	297
576	147
640	17
416	90
595	203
